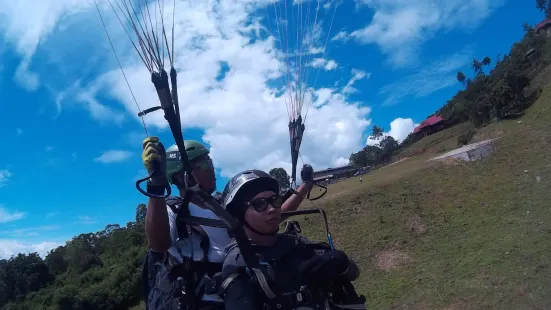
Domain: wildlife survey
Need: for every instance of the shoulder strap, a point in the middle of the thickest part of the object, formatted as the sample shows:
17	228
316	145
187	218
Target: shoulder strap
205	241
174	202
180	207
185	222
237	267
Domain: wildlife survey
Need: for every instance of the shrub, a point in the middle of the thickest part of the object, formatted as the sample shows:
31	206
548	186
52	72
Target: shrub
466	136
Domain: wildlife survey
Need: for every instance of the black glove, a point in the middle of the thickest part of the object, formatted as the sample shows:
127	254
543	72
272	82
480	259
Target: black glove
307	174
325	267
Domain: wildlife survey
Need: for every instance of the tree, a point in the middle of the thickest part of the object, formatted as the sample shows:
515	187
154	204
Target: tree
499	59
83	252
477	67
486	61
528	29
373	154
461	77
109	228
388	144
377	132
541	5
282	178
544	6
22	274
141	211
370	155
56	261
359	159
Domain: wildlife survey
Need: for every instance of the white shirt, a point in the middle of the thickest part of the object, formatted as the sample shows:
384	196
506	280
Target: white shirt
218	237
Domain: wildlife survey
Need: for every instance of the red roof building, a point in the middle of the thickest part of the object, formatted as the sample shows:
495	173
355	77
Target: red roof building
544	26
428	123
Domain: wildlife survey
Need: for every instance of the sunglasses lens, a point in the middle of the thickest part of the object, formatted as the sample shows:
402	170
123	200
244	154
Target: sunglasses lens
277	201
205	164
261	204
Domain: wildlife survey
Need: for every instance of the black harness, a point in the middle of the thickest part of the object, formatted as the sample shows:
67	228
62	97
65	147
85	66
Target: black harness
186	228
184	283
340	295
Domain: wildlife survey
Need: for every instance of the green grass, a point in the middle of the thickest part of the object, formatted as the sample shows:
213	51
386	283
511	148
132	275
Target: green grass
465	236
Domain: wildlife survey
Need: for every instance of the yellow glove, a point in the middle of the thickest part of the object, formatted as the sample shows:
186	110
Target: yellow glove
154	160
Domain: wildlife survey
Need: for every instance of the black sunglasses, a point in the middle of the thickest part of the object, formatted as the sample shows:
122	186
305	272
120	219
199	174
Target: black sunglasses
203	164
261	204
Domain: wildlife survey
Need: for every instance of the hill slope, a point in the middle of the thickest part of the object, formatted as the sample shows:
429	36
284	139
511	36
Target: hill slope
456	235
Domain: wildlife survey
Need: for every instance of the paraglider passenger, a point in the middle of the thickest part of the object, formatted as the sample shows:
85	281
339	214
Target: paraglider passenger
292	265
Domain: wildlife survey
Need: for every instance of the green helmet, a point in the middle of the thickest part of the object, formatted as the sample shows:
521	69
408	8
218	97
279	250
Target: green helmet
194	150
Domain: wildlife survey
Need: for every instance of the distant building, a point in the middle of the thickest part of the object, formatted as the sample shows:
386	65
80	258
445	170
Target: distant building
336	173
429	126
544	27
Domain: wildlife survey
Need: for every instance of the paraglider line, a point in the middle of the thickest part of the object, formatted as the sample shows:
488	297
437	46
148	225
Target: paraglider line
120	66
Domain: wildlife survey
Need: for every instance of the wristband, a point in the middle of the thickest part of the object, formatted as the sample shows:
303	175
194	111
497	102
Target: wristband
155	189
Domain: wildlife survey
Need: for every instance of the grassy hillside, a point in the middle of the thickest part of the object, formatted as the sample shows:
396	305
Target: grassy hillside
431	235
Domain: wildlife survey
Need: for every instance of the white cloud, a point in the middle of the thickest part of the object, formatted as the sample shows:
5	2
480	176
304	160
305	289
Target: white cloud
342	36
134	138
9	248
399	27
24	77
51	214
31	231
356	76
97	110
113	156
325	63
7	216
27	23
437	75
5	175
400	128
243	111
86	220
342	161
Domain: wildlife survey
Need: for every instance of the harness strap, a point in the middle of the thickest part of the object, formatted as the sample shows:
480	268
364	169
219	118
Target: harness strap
226	283
185	223
259	277
180	207
264	284
294	299
205	241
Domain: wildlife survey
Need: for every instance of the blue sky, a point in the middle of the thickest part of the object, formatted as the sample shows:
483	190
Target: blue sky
72	139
